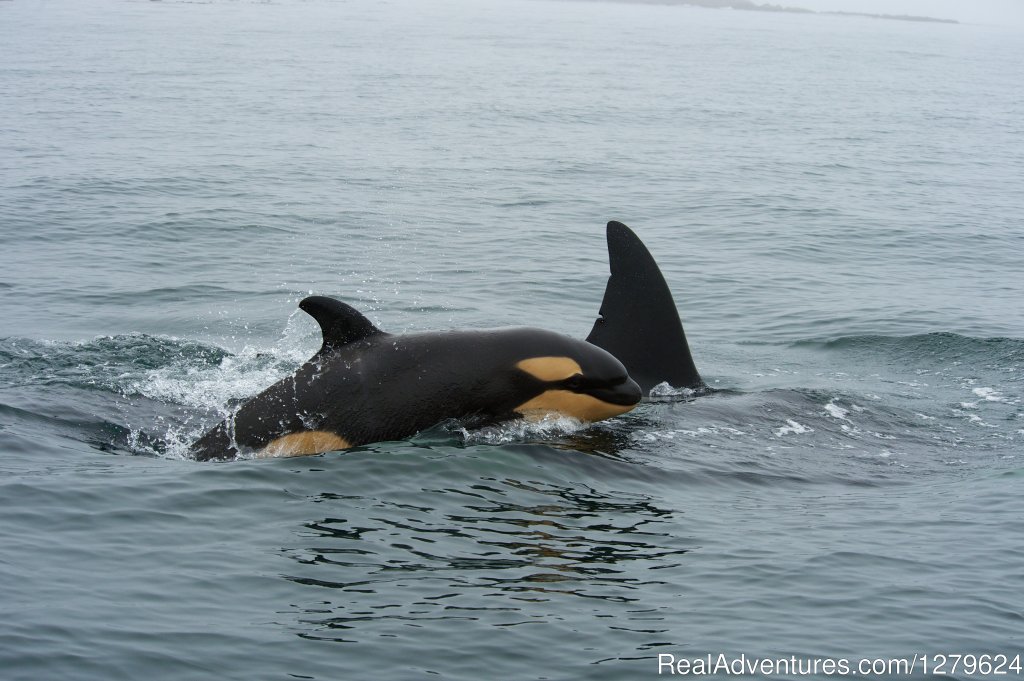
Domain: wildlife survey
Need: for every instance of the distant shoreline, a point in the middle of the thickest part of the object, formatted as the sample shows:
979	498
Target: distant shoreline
748	5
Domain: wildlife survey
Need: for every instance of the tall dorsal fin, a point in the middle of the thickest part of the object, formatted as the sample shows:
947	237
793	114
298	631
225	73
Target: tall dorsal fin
340	322
638	322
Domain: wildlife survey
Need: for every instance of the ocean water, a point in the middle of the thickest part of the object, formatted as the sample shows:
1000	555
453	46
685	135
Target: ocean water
835	202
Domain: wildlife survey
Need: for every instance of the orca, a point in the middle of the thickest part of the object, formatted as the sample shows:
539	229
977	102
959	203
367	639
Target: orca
638	321
365	385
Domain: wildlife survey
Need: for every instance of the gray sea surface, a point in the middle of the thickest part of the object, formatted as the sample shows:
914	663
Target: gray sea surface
835	201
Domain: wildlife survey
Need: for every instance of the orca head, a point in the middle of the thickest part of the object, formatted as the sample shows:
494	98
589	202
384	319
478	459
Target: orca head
576	379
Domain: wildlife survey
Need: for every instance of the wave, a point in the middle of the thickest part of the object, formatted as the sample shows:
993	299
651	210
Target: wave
937	339
99	363
939	344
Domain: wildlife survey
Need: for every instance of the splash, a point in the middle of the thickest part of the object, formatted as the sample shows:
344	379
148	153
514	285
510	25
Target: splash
208	387
551	426
663	392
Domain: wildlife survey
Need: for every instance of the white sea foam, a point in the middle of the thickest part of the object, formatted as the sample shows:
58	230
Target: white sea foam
664	391
702	431
211	387
792	428
989	394
522	429
237	376
835	411
178	440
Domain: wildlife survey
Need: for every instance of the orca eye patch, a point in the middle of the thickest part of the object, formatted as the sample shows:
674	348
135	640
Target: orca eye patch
551	368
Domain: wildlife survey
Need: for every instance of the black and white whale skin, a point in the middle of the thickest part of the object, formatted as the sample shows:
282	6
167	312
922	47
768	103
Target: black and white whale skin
365	385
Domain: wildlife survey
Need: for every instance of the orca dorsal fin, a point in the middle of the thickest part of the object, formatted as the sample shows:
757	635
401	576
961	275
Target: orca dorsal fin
638	321
339	322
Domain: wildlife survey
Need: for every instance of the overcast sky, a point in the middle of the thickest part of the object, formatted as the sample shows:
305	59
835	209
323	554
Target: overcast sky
973	11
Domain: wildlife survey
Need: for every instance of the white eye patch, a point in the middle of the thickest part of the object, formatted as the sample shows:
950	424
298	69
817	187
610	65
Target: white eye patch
550	368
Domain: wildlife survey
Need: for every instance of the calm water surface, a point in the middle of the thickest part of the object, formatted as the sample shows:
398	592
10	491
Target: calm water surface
835	202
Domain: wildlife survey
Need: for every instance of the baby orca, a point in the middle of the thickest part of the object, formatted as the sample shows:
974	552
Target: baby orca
365	385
